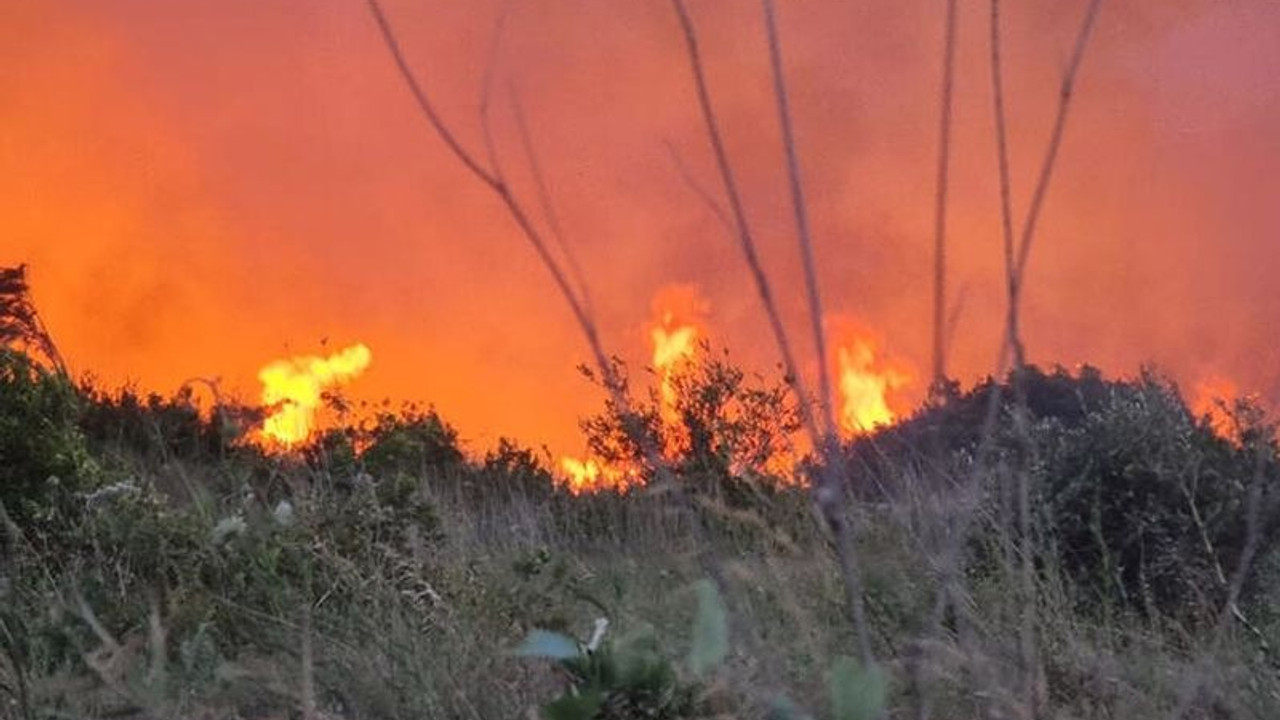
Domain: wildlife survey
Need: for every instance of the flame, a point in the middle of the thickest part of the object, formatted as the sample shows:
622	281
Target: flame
673	333
292	389
673	348
867	384
1213	396
583	476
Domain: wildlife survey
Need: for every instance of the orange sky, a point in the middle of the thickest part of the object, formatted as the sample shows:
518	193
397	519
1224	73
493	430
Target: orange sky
202	187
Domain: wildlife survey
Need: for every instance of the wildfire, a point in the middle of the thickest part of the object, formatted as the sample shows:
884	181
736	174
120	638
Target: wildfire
673	334
292	389
581	476
1212	396
867	384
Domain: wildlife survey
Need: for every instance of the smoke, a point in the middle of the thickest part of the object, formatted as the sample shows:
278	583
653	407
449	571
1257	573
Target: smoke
200	187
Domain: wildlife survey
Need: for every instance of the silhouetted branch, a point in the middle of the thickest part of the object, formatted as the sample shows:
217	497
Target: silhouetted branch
1055	137
746	240
703	194
800	208
20	324
544	199
498	184
940	201
967	502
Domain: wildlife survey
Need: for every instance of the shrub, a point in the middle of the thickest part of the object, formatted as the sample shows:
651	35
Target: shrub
733	435
44	459
1143	506
155	427
413	442
1148	508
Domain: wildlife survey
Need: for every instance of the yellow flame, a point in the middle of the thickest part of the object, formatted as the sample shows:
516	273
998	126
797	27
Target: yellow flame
673	334
1213	397
673	345
865	387
582	476
292	389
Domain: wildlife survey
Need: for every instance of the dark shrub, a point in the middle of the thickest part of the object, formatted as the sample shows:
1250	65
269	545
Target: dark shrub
1149	508
413	442
43	455
1142	506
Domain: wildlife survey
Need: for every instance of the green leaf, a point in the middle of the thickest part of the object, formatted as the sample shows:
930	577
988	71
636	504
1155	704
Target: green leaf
544	644
857	693
710	630
574	707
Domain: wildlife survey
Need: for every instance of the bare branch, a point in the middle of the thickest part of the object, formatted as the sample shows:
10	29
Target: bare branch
1055	137
746	240
940	202
544	198
703	194
828	490
1006	201
802	215
950	588
498	184
424	102
486	93
496	181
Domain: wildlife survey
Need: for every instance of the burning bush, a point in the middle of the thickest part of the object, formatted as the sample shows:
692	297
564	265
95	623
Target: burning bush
728	434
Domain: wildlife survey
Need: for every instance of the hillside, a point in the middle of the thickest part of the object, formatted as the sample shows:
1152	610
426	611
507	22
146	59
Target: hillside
157	565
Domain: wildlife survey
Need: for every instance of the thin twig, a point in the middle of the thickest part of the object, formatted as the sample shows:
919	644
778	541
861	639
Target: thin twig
486	84
499	186
949	590
1055	137
424	102
940	202
829	486
1026	629
940	326
746	240
703	194
1230	608
496	181
800	208
544	198
1006	201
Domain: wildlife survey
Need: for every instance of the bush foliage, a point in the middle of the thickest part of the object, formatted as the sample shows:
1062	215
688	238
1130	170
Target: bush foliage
173	567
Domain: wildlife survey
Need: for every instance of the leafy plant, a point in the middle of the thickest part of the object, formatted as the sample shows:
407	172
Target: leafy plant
44	459
632	679
733	436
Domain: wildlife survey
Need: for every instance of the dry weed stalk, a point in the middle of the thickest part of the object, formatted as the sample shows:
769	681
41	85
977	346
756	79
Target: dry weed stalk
828	490
951	591
940	339
495	179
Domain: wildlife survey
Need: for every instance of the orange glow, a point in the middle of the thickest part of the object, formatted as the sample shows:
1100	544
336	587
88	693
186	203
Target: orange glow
868	385
1213	396
292	390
